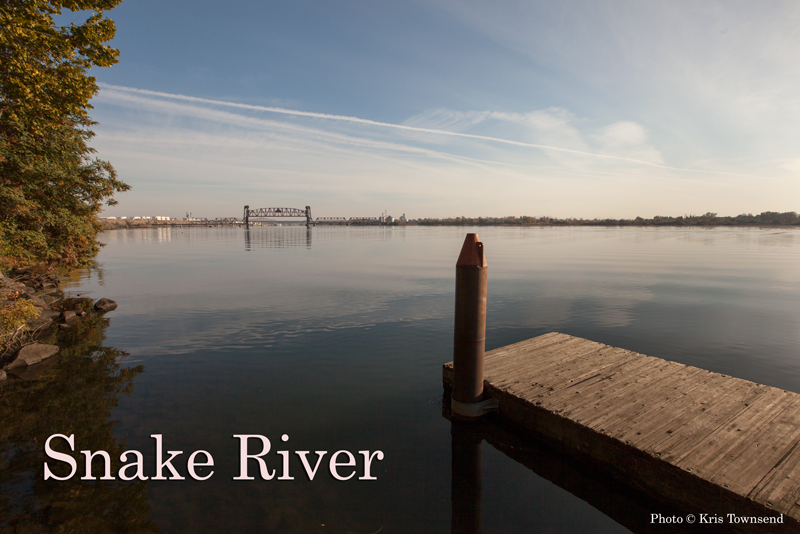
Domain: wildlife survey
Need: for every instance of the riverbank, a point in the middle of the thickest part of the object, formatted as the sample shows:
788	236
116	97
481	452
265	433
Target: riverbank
33	311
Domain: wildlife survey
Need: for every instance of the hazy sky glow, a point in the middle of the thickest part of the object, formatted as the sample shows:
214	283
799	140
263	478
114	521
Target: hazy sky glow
438	109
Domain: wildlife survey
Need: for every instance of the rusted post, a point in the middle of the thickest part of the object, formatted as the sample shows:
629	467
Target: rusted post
470	332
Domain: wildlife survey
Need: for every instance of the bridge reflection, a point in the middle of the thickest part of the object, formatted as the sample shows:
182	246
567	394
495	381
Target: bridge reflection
277	237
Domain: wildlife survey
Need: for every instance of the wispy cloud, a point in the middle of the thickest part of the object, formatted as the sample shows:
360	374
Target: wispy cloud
712	79
215	153
551	122
286	135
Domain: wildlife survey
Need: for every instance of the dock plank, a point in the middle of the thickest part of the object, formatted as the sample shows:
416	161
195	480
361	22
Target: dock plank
781	488
716	406
553	353
627	403
668	425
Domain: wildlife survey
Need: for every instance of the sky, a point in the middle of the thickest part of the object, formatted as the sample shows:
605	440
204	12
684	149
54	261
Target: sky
443	108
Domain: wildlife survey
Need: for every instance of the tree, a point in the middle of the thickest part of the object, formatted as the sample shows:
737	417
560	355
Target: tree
51	185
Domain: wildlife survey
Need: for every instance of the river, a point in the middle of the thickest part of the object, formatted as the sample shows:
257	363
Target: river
335	337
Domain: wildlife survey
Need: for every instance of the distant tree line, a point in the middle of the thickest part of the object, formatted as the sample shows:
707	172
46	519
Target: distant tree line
709	219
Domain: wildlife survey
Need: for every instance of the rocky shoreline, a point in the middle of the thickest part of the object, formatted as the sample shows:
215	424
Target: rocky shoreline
28	357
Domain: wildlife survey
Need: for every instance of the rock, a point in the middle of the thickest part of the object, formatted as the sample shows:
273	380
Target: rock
105	305
2	373
38	301
7	285
67	315
50	298
78	304
33	372
46	316
41	281
31	354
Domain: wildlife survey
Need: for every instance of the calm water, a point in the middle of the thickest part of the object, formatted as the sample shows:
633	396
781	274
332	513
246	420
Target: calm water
336	337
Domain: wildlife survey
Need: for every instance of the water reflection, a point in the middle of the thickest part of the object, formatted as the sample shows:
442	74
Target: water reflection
339	345
277	237
72	394
466	478
628	506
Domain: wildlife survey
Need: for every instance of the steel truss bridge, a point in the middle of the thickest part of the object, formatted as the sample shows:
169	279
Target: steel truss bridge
260	214
364	220
269	213
227	221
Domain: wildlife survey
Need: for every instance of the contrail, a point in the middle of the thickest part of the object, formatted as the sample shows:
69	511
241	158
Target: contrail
357	120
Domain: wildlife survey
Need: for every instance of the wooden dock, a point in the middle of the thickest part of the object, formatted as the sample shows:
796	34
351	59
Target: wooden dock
714	443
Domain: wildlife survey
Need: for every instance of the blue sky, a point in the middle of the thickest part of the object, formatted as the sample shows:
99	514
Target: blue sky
447	108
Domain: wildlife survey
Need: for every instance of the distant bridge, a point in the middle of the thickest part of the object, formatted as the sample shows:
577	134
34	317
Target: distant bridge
364	220
268	213
260	214
331	220
195	221
346	221
263	214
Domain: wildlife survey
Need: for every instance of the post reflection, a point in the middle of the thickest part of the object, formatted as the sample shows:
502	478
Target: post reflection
466	478
72	394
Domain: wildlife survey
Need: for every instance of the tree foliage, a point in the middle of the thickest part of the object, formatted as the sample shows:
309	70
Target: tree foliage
51	185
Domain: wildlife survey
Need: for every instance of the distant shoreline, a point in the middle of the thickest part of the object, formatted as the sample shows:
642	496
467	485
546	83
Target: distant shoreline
122	226
768	219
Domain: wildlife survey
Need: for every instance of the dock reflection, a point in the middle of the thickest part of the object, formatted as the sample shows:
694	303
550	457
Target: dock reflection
627	505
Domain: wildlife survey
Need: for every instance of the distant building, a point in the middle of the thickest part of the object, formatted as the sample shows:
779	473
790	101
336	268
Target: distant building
389	219
403	218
